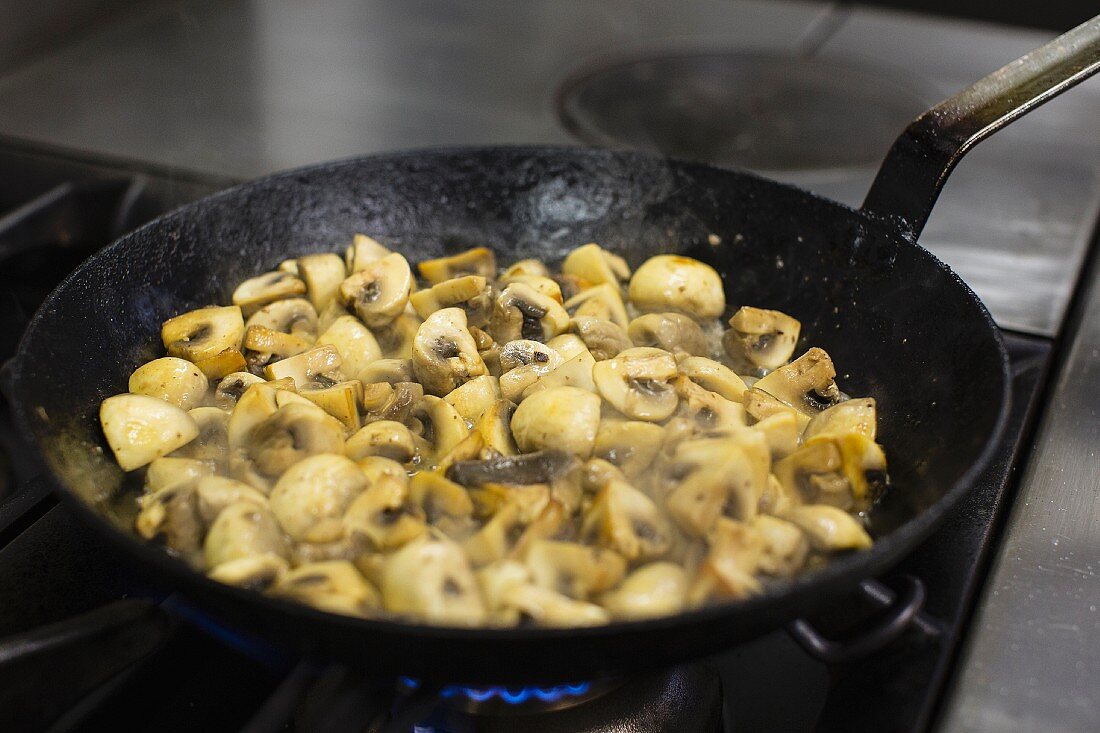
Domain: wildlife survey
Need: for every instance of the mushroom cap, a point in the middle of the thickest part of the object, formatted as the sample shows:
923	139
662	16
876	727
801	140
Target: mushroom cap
356	344
310	498
637	383
603	338
294	315
563	417
673	332
243	529
385	438
444	353
293	432
140	428
258	291
380	291
204	333
761	338
656	589
173	380
678	283
430	579
323	274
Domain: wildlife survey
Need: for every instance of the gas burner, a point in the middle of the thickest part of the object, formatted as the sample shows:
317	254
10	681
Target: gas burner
765	112
512	699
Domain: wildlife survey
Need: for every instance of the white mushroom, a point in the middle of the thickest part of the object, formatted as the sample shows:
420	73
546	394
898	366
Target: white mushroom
656	589
380	291
168	471
781	432
477	261
829	529
574	570
717	476
444	353
356	344
391	371
430	580
309	500
295	316
173	380
577	372
255	573
563	417
709	410
306	367
323	274
603	338
522	363
729	569
852	416
595	265
785	546
471	293
334	586
254	406
232	387
629	444
637	383
714	376
139	428
673	332
215	493
203	334
602	301
243	529
385	401
386	515
627	521
521	312
256	292
385	438
440	424
170	516
473	398
362	252
341	400
289	435
806	384
678	283
212	443
761	338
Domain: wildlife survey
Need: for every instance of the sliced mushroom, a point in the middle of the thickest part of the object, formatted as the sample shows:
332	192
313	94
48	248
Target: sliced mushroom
729	569
212	442
350	548
384	438
341	400
215	493
386	515
825	471
595	265
430	580
542	285
380	291
441	425
362	252
224	362
709	410
604	339
256	292
530	468
171	517
243	529
762	405
356	344
295	316
173	380
264	346
602	301
308	367
440	499
673	332
497	582
254	406
577	372
323	274
384	401
863	464
497	537
232	387
785	546
444	353
678	283
631	445
473	398
334	586
290	434
378	468
563	417
204	333
781	432
528	500
656	589
471	293
398	337
525	268
310	499
713	376
573	570
331	313
627	521
638	383
852	416
290	265
829	529
761	338
569	345
391	371
255	573
523	362
477	261
719	477
140	428
545	607
806	384
165	472
521	312
495	428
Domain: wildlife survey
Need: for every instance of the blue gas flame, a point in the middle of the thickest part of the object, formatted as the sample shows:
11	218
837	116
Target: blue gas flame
509	695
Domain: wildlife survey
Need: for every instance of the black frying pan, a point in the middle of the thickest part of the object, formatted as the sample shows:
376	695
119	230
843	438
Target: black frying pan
899	324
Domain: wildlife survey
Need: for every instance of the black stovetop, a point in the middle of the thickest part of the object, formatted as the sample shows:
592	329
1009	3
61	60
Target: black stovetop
88	642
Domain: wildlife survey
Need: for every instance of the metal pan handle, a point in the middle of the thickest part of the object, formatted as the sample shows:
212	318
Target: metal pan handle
923	156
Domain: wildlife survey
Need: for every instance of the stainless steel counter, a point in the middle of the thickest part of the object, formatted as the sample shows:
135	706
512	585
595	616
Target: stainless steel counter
1032	661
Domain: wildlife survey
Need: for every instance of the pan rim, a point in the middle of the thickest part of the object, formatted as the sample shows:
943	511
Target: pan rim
838	573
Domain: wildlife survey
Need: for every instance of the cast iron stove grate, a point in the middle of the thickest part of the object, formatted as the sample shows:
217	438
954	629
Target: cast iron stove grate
88	642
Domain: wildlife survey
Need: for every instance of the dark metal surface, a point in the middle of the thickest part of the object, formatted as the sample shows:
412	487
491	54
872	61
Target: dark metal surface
917	166
924	346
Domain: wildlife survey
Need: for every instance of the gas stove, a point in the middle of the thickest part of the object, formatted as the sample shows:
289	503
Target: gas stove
87	641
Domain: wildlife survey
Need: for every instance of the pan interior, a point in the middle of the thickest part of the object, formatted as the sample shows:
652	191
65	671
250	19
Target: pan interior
899	326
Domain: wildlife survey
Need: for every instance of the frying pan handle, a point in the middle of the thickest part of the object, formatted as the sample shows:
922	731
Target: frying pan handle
923	156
